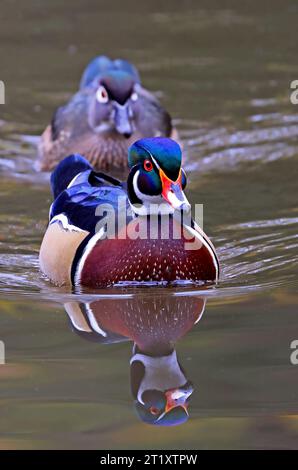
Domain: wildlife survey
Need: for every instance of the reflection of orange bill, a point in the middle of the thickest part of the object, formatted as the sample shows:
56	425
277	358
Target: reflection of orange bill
174	400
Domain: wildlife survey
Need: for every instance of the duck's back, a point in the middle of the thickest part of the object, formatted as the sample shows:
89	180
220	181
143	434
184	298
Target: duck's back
73	220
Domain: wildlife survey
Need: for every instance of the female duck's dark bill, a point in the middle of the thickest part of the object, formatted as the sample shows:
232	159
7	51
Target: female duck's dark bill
122	119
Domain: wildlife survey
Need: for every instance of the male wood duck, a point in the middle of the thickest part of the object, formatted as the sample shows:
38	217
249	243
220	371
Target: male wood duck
154	321
103	232
110	111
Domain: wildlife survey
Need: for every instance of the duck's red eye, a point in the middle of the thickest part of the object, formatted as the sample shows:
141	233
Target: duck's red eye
148	165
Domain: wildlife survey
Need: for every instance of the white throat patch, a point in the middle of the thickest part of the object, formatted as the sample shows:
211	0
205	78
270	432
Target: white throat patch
151	205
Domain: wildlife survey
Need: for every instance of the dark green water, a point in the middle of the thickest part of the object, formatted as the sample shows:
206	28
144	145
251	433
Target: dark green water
223	70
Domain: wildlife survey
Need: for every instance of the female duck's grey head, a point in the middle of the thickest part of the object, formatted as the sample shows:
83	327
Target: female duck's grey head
114	103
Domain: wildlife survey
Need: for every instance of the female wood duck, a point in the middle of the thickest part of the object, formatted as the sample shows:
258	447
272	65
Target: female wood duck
109	112
154	321
103	232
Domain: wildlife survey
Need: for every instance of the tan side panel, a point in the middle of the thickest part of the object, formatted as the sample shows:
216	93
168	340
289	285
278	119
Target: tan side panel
57	252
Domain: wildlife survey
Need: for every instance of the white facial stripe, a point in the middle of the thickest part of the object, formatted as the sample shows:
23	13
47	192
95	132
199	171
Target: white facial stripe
142	196
149	203
154	161
135	186
157	165
147	200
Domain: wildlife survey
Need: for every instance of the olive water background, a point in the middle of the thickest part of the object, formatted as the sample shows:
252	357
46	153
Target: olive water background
223	69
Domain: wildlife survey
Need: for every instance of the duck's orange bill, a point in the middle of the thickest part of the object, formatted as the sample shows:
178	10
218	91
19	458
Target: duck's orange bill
172	190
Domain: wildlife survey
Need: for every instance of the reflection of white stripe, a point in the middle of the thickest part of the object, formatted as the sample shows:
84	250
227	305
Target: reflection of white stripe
206	244
93	321
63	220
88	248
201	312
76	318
164	413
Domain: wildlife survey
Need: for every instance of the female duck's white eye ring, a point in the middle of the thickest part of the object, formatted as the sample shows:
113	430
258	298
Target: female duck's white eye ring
102	95
134	96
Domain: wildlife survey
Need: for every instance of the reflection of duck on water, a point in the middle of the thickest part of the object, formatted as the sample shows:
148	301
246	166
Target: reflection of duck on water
154	322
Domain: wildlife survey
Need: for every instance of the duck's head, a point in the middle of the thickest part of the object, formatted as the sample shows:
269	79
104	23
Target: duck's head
156	180
160	388
115	102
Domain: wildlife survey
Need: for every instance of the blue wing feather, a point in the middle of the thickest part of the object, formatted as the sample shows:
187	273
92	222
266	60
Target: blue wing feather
80	201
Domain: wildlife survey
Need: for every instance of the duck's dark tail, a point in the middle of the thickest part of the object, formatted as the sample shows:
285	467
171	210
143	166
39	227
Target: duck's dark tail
66	171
